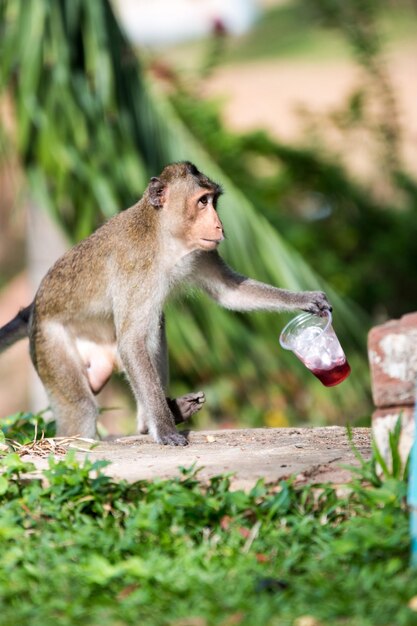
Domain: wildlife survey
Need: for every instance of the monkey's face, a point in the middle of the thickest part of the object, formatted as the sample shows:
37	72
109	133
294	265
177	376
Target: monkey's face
187	201
205	230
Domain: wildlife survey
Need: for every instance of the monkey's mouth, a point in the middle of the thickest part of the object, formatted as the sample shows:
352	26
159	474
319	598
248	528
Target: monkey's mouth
213	242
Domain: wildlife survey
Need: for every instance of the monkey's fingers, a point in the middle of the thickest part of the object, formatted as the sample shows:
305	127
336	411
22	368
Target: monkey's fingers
317	303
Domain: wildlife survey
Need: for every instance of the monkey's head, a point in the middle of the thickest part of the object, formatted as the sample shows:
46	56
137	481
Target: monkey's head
187	201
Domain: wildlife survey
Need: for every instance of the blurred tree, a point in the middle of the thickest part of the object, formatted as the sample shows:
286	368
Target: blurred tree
365	231
90	131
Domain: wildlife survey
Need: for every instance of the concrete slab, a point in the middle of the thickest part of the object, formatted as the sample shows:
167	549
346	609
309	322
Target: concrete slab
311	454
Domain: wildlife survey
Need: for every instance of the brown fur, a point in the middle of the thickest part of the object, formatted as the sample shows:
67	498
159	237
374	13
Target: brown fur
100	307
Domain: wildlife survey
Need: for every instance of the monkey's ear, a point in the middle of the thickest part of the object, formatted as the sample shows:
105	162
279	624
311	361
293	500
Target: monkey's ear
156	190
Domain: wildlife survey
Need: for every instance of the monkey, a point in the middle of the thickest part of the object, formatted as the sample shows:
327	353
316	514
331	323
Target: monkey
100	306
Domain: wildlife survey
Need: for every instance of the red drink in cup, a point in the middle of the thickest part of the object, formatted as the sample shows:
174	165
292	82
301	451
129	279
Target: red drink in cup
334	376
314	342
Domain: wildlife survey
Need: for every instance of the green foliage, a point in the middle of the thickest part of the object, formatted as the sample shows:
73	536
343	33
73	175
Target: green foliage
379	468
306	190
25	427
78	547
347	234
395	467
91	130
296	31
79	145
286	31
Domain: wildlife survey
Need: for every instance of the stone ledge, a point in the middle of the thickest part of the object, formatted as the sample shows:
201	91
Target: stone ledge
312	455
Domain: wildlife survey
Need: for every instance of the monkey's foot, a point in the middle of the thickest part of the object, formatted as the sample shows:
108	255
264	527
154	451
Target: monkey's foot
172	439
184	407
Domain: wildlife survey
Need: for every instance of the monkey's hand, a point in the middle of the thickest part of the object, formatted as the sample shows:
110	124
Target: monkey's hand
315	302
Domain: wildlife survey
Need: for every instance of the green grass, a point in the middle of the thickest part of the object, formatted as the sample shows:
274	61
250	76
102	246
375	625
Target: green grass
283	32
292	31
79	548
287	31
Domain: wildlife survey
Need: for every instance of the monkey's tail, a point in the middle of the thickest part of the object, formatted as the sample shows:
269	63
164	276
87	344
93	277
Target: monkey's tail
16	329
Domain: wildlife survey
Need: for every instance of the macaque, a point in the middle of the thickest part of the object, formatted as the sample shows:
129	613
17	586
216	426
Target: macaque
100	307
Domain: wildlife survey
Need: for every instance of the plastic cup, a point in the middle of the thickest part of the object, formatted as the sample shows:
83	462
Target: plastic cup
314	342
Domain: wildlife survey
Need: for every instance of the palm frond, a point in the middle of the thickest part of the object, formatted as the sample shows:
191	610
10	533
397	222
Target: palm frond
91	130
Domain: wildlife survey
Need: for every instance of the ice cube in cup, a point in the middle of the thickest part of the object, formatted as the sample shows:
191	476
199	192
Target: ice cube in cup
314	342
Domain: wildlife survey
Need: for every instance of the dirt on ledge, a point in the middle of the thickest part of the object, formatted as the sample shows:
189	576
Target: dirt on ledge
312	455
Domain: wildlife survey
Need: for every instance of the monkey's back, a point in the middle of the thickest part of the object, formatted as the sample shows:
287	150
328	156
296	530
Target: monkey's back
85	278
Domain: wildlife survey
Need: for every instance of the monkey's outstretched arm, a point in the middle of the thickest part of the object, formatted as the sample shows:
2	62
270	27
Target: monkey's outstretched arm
16	329
237	292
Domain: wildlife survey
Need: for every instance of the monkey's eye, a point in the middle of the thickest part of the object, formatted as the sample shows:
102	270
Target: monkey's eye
203	201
